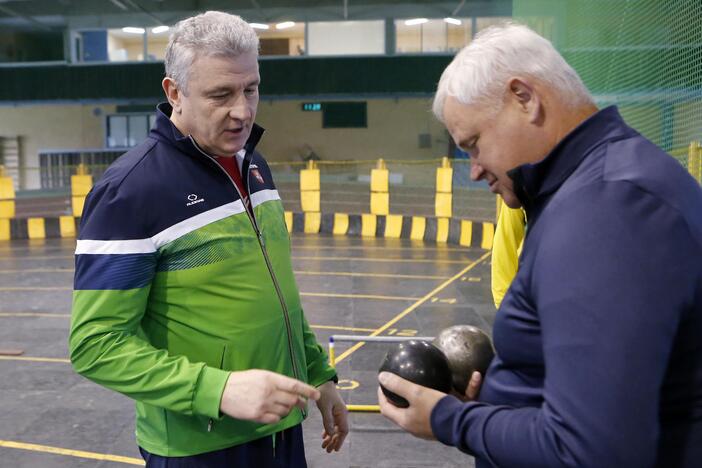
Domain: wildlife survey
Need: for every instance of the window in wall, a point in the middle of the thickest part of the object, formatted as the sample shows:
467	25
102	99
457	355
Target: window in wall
125	46
459	33
285	38
57	167
346	37
157	40
422	35
125	130
30	46
487	21
120	45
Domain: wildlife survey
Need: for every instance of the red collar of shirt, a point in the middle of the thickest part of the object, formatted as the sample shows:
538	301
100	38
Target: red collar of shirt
231	165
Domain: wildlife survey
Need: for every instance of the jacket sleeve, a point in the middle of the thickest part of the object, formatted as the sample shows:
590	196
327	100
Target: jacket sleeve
318	368
113	276
610	296
509	235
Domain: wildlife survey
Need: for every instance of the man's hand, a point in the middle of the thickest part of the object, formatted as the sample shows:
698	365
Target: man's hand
334	417
417	418
264	396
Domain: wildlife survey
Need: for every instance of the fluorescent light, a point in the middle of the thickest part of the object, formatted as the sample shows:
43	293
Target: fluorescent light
285	25
259	26
132	30
119	4
415	21
159	29
455	21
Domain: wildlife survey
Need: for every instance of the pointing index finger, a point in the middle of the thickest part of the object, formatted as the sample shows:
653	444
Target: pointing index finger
299	388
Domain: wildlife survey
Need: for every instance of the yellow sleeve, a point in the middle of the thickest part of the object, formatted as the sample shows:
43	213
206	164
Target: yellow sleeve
509	235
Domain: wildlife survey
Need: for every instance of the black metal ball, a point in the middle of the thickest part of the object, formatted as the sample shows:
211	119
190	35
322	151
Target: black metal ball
419	362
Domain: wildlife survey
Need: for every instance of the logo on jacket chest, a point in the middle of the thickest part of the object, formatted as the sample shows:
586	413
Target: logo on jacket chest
194	199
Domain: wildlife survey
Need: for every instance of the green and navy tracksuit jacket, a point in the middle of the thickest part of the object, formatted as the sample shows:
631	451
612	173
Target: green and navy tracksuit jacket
177	284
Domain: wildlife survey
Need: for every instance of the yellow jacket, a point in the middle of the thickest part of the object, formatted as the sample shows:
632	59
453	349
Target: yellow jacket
506	247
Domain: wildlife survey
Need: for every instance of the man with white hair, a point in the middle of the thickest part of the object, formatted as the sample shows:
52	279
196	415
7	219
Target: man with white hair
599	339
184	295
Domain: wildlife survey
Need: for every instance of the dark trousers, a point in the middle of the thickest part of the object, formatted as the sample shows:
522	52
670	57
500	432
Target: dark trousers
289	452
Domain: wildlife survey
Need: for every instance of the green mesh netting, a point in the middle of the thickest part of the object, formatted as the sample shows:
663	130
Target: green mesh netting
643	55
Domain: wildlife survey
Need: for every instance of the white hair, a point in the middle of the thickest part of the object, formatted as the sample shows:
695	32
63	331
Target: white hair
213	33
480	71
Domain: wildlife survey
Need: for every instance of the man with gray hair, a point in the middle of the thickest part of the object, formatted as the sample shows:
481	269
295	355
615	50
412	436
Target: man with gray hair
599	338
184	293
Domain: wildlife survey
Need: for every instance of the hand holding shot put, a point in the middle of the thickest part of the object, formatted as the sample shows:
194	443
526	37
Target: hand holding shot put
415	375
264	396
416	417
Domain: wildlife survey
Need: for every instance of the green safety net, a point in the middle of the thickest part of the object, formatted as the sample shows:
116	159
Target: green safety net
643	55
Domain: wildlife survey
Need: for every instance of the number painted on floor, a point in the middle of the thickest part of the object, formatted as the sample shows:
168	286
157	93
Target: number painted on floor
346	384
402	332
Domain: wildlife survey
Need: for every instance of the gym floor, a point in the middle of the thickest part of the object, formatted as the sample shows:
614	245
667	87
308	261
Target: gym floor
53	418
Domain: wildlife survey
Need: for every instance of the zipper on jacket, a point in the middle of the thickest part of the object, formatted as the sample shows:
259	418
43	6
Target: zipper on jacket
276	284
259	235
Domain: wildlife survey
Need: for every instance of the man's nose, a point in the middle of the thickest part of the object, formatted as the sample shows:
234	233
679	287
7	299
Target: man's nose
240	109
476	171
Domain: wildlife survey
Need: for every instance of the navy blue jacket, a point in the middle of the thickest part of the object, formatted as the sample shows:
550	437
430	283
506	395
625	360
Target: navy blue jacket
599	338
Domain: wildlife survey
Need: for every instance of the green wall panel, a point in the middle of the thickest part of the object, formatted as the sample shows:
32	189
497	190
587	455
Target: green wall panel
280	77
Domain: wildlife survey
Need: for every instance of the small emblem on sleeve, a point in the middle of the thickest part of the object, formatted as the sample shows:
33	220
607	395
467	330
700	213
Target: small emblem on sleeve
258	176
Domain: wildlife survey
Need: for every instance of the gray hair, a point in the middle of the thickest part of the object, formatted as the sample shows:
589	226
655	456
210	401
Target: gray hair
213	33
479	73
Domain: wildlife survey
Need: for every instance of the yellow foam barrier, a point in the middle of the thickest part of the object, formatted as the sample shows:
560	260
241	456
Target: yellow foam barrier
36	228
393	226
341	223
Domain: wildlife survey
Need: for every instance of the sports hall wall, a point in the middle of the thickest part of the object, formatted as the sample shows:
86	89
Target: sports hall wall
393	131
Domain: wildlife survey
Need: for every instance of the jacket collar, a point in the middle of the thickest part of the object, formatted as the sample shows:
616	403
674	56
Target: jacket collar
164	130
532	181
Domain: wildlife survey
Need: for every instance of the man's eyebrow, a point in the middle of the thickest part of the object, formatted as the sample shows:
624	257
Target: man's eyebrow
255	82
218	89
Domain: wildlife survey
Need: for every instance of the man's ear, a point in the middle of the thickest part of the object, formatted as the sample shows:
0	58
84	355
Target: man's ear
525	96
173	94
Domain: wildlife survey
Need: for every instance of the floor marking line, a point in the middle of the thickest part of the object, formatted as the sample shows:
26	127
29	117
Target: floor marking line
388	260
304	294
39	314
34	359
334	327
294	246
46	257
33	314
421	301
370	275
39	270
369	247
294	257
297	272
360	296
71	453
